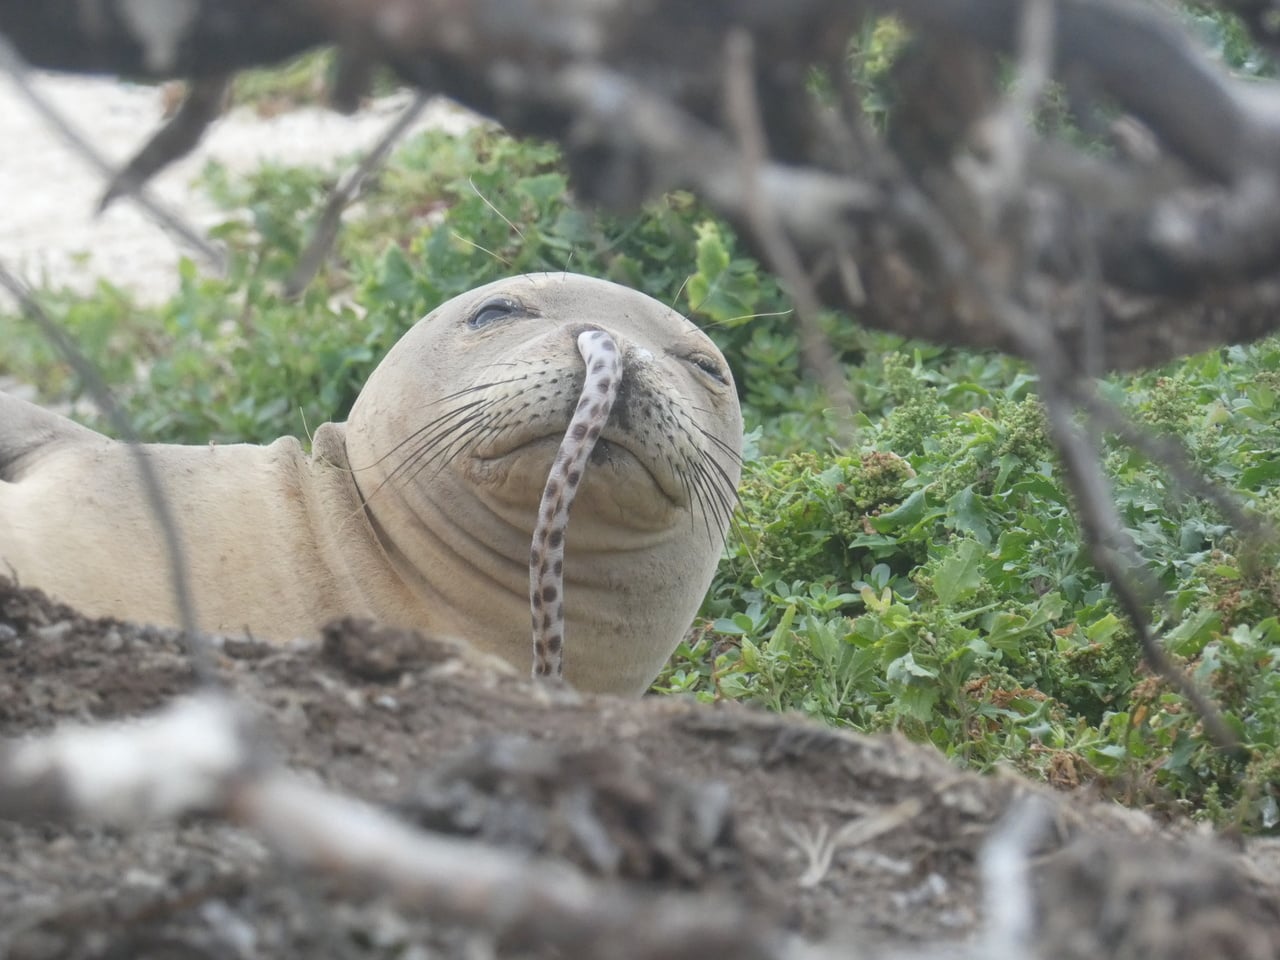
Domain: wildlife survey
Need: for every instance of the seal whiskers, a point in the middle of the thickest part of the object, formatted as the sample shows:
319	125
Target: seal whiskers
546	558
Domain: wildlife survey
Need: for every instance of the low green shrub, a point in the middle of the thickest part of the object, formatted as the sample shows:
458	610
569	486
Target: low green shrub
933	582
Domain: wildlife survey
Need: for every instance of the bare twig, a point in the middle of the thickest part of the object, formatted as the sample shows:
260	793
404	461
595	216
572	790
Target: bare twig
1115	556
12	64
1111	549
1171	454
822	844
744	115
1109	545
179	573
174	140
1006	134
352	183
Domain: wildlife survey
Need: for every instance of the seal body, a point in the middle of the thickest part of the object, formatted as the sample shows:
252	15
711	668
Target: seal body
420	509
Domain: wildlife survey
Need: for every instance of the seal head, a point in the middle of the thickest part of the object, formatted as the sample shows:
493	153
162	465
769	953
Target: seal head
452	439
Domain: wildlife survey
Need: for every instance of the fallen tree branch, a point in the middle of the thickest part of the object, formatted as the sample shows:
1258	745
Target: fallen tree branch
1185	240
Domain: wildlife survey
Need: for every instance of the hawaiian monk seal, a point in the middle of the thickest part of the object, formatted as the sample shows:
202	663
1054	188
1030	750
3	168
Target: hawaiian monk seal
420	509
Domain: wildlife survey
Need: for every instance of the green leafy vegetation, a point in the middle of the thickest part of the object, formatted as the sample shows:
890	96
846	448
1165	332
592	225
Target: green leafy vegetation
1227	38
932	581
302	81
927	579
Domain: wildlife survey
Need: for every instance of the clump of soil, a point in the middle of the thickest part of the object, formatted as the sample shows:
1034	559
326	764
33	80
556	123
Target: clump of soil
872	841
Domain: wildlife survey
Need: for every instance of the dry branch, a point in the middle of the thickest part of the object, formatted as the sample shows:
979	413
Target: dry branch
178	137
1185	239
342	196
194	758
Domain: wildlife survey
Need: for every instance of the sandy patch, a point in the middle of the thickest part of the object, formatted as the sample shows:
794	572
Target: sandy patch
49	232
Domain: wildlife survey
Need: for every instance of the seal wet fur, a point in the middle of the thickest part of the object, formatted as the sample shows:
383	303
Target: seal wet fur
419	510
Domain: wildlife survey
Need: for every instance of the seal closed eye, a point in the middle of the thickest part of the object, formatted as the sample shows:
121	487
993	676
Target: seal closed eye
421	508
492	310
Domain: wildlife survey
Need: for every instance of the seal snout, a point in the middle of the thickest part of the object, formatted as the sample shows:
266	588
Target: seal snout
631	354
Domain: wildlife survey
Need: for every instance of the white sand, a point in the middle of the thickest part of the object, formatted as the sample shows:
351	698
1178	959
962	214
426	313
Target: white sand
49	193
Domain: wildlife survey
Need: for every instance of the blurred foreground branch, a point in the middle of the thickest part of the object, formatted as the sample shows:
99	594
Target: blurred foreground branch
194	757
1176	198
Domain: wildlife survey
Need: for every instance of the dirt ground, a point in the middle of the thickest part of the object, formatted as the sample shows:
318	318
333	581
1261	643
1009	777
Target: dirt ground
724	802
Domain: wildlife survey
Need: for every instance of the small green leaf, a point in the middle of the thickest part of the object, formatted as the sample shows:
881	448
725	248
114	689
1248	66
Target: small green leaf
1103	629
967	513
910	511
960	574
1262	472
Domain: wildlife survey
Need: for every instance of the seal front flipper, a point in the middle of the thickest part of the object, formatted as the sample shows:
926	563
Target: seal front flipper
27	431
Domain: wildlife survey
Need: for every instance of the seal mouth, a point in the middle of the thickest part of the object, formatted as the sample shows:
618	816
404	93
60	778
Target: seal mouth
611	448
